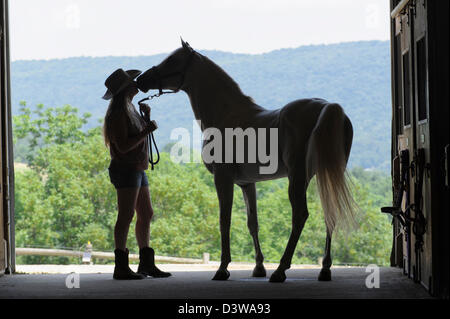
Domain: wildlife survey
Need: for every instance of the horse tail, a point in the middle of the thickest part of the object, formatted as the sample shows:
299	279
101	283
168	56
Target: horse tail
332	139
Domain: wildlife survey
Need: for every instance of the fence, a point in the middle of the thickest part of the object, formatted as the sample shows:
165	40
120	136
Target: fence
87	255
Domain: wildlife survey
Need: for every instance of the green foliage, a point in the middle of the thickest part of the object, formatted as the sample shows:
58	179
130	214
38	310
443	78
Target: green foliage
65	199
48	126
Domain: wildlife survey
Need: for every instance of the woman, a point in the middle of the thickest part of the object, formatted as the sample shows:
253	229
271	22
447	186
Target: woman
126	135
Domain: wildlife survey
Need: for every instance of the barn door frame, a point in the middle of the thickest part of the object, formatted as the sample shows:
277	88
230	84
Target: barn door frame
7	238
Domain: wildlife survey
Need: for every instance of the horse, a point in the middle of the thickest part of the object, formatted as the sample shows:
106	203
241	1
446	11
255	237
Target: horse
312	137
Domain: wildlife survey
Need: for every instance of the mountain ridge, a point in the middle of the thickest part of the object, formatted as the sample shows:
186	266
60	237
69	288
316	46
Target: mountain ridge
353	74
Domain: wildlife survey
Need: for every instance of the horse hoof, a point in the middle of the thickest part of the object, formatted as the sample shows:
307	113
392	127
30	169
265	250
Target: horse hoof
222	274
278	276
259	271
325	275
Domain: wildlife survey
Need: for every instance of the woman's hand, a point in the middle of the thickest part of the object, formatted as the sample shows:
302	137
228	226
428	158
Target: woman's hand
146	110
152	126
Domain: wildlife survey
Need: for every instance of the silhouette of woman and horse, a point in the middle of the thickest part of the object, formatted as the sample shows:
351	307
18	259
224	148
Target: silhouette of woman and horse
313	137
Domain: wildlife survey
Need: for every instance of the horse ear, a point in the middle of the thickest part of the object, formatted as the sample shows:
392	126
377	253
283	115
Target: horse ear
184	44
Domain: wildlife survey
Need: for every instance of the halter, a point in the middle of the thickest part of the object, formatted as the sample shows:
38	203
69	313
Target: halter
159	78
151	140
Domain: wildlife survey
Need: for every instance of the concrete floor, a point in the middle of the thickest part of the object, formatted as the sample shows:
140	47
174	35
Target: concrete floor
194	282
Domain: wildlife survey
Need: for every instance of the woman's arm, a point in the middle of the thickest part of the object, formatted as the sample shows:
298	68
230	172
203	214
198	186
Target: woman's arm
120	137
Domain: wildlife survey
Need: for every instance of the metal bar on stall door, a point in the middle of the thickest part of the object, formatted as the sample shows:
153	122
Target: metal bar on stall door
399	8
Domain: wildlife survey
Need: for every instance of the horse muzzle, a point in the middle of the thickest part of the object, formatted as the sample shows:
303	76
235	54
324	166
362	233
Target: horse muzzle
147	81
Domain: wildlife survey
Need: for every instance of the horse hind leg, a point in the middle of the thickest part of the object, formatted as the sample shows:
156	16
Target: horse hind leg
297	197
249	192
325	272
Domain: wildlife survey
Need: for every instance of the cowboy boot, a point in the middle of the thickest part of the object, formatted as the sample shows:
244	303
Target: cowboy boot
122	270
147	264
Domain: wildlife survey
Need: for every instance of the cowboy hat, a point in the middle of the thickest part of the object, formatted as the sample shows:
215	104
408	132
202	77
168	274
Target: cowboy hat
118	81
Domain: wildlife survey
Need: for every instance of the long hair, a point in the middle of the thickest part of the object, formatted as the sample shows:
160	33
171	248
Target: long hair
120	105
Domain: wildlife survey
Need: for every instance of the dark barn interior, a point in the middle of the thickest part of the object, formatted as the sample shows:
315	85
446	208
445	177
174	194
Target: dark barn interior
420	164
420	117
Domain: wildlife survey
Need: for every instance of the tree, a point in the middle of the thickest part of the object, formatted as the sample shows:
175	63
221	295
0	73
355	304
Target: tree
47	126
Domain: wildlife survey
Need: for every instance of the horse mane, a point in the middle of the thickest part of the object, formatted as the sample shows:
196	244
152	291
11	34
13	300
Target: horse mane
228	82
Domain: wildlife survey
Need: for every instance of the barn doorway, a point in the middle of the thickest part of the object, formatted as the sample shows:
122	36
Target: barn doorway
398	252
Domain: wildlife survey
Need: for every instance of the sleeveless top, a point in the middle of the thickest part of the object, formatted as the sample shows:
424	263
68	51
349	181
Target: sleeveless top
135	159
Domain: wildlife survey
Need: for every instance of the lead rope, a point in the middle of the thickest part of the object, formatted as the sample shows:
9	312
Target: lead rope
419	221
161	92
150	138
152	142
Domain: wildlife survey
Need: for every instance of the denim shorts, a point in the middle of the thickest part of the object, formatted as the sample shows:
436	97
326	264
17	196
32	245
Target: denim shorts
122	178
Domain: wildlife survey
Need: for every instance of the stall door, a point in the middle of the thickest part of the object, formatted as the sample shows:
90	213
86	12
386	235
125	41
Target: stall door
405	135
421	179
412	230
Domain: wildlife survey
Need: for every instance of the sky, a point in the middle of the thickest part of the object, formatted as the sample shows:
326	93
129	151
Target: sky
49	29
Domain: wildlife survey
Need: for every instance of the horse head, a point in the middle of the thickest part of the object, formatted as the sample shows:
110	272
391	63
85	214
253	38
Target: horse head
170	73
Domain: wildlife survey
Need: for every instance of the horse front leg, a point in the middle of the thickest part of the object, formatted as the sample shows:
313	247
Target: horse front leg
224	187
249	192
297	197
